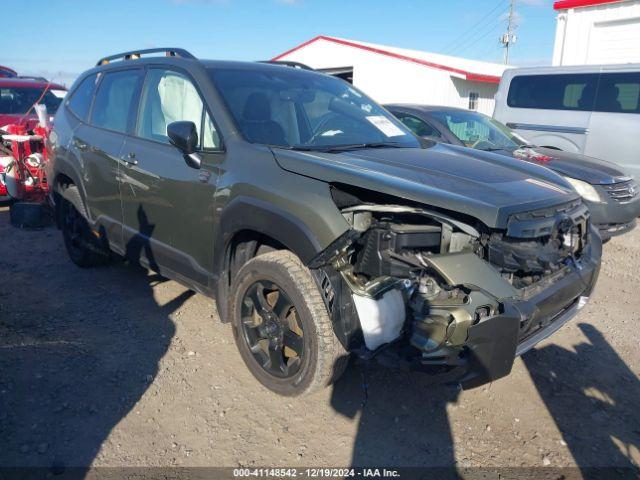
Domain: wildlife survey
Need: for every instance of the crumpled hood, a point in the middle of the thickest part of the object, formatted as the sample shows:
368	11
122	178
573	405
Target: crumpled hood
486	186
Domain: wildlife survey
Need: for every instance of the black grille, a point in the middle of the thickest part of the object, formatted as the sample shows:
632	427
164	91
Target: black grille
622	192
542	222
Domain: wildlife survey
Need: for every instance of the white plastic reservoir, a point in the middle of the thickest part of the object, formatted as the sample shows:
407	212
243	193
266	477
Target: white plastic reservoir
381	319
10	176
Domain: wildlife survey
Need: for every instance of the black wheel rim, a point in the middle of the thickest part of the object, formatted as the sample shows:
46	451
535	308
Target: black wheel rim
73	223
272	329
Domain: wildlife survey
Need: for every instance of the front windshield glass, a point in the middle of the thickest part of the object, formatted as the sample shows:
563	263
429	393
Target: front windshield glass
18	100
305	110
479	131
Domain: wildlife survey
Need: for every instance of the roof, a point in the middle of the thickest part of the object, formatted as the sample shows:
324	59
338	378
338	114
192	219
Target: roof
26	82
7	72
471	70
567	4
418	107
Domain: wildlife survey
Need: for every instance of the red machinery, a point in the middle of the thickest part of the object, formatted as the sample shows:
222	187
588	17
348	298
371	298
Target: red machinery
22	157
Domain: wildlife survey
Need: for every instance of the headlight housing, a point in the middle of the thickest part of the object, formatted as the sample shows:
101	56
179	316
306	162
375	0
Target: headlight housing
586	190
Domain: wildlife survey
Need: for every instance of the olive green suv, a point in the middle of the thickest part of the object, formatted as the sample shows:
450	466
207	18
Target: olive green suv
320	225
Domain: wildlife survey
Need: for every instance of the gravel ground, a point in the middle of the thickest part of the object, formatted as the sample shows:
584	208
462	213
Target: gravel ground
117	366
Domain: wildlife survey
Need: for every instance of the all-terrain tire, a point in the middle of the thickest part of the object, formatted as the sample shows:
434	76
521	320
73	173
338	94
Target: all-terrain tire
83	247
324	359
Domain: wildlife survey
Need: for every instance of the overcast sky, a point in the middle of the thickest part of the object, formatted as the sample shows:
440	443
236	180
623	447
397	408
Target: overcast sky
75	33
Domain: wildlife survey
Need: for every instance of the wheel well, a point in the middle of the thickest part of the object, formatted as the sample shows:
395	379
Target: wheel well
61	183
63	180
243	246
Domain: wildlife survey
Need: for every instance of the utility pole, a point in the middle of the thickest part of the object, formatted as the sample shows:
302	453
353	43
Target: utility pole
510	37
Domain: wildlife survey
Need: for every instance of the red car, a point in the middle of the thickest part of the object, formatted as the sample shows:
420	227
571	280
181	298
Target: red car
17	97
7	72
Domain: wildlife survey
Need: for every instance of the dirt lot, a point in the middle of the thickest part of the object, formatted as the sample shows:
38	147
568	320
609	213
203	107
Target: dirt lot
115	366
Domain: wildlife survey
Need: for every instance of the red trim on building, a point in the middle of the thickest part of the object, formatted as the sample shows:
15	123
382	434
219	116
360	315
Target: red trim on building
474	77
566	4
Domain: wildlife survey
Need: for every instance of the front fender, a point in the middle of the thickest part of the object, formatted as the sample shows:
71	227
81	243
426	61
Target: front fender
246	213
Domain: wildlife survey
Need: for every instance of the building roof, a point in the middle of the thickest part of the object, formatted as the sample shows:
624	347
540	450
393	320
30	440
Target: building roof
567	4
472	70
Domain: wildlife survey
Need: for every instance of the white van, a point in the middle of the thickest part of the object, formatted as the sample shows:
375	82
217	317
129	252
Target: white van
587	109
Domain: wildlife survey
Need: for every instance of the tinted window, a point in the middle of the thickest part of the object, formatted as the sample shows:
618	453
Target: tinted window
18	100
167	97
114	100
619	92
301	109
80	102
553	92
417	126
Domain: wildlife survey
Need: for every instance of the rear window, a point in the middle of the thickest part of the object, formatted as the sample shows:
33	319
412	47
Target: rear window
80	102
18	100
592	92
553	92
114	100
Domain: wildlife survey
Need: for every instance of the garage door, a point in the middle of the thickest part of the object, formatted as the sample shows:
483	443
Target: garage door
615	42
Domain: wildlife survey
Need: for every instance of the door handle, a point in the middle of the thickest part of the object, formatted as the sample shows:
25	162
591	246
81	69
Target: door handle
80	145
130	159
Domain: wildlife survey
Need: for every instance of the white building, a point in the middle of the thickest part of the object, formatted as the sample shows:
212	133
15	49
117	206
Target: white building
597	32
395	75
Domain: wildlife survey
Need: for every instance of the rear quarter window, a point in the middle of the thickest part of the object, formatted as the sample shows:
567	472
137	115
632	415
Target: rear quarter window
619	93
80	101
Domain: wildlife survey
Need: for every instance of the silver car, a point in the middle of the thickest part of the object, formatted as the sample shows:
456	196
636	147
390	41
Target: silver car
591	109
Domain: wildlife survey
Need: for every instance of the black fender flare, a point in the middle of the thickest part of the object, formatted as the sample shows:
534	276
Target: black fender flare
75	178
250	214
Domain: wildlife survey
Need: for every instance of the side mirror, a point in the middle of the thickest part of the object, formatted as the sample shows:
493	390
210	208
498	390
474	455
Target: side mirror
184	136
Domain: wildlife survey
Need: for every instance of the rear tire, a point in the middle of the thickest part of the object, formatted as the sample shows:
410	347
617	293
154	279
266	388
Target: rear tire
287	341
83	247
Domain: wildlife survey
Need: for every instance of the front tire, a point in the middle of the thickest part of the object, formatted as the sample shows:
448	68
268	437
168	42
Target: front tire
281	326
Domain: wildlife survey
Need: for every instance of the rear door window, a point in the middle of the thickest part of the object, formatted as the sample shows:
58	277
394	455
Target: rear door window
619	93
554	92
115	100
81	98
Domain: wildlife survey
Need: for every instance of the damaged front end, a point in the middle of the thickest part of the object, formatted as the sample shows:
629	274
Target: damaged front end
435	291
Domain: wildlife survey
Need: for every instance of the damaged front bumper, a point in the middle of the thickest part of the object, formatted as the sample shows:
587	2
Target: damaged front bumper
421	291
493	343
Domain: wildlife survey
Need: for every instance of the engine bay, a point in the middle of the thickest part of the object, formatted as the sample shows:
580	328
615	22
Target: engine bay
422	277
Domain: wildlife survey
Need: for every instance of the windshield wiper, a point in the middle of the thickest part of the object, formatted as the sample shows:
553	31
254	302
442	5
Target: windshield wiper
360	146
491	149
338	148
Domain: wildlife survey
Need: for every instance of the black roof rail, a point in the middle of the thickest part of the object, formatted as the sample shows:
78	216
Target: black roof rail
135	54
286	63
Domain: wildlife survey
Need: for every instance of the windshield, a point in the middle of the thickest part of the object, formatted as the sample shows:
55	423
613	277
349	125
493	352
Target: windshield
298	109
18	100
479	131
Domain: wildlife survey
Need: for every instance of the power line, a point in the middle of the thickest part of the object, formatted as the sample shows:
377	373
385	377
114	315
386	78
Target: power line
479	24
480	34
491	31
